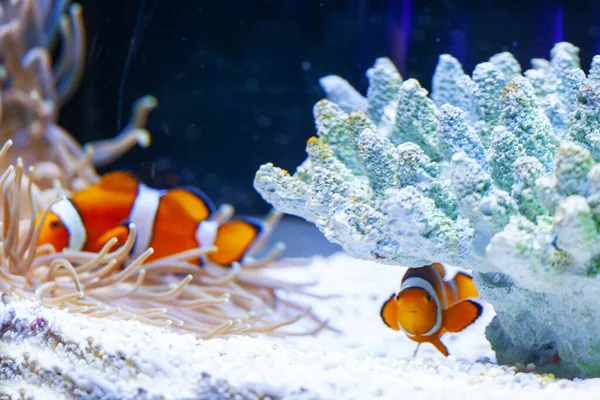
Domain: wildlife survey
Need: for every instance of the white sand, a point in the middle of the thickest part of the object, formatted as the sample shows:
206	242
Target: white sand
369	361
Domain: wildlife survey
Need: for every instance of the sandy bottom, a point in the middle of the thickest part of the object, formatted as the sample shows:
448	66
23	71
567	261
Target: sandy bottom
367	361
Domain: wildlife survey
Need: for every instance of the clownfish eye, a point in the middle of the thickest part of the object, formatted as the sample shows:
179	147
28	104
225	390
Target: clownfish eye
55	224
429	298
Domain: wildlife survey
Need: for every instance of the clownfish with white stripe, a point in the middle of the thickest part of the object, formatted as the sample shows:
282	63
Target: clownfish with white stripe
169	221
430	304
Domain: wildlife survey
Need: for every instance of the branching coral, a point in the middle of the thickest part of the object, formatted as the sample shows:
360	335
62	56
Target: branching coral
209	301
495	172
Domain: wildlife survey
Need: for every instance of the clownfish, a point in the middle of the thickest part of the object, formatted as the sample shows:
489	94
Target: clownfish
169	221
428	305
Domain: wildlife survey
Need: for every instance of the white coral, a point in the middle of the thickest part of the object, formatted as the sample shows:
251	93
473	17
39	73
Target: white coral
493	158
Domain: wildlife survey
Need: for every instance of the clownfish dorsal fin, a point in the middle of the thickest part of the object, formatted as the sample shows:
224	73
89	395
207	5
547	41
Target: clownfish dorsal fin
440	346
464	286
439	268
461	315
234	238
389	313
192	201
118	181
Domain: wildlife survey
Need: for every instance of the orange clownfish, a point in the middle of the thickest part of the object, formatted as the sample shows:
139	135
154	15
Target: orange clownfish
428	305
169	221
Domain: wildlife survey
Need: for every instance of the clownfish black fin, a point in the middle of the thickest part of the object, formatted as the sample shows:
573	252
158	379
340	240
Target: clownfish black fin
192	201
461	315
234	238
389	313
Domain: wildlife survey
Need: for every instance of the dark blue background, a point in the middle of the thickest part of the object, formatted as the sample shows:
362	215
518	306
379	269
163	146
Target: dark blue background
236	80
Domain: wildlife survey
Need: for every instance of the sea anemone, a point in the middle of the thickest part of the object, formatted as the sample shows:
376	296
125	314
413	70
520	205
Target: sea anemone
209	301
34	87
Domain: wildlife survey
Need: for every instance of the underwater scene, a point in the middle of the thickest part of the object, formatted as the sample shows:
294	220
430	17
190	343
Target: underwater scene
299	199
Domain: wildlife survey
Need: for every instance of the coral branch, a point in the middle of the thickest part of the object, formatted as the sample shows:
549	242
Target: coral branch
496	172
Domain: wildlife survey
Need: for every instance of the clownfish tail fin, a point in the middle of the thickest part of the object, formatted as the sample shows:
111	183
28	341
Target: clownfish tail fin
234	239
